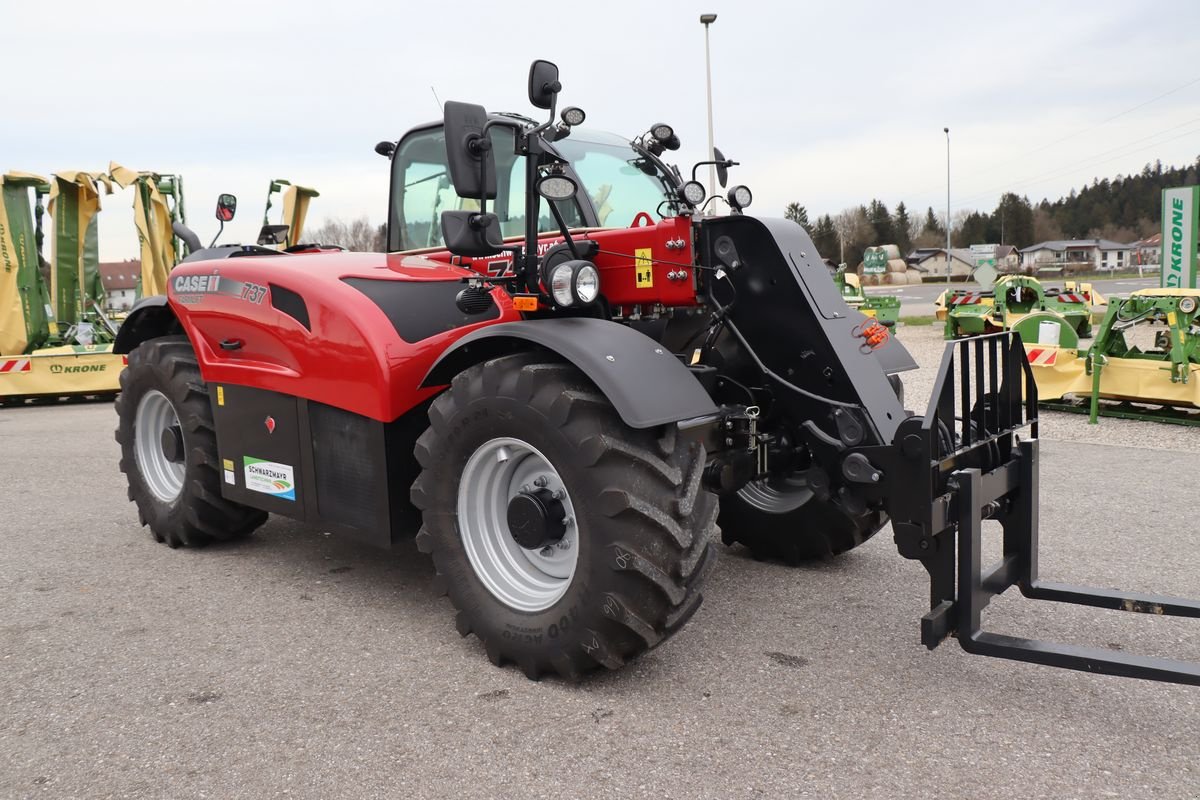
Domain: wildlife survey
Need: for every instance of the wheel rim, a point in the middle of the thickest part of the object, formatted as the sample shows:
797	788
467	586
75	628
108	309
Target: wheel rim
155	417
524	579
777	495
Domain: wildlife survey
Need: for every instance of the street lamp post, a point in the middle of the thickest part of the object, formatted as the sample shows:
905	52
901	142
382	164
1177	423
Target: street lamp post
947	130
706	20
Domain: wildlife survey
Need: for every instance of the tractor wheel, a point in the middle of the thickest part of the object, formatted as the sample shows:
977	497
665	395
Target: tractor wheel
781	519
565	539
169	449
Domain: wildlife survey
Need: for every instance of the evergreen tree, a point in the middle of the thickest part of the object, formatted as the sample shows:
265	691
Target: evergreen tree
881	224
900	229
932	225
824	236
797	214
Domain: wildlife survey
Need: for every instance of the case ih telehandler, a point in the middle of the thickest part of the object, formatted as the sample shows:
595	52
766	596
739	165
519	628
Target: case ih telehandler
565	366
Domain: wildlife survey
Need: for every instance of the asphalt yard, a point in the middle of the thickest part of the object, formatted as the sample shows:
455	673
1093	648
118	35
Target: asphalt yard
298	665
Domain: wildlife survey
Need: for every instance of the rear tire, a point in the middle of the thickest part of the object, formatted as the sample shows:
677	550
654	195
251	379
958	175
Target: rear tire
641	534
164	406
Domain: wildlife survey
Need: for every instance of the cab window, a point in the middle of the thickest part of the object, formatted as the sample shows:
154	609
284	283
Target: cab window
422	191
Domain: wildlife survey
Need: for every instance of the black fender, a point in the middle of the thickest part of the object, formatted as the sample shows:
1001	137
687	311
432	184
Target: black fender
643	380
150	318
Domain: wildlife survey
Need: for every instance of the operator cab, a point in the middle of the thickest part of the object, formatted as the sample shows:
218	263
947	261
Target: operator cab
615	183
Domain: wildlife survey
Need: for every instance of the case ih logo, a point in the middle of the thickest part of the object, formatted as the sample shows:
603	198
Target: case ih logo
59	369
197	284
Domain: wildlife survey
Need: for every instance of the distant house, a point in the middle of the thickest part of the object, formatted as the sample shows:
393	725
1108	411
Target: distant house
1008	259
931	263
1078	254
120	279
1148	251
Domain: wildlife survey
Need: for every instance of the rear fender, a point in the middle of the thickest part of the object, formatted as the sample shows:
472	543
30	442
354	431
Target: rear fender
150	318
643	380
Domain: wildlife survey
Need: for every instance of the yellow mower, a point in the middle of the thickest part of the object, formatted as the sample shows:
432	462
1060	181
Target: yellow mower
1144	362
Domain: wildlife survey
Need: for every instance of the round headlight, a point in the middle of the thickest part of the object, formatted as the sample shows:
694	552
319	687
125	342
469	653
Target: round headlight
587	284
1187	304
556	187
740	197
560	283
573	116
693	192
662	131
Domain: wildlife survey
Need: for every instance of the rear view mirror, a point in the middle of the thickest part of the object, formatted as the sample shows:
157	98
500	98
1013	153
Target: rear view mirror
722	167
543	83
471	234
273	234
226	207
469	151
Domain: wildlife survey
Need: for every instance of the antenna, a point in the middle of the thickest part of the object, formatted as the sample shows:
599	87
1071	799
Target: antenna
436	99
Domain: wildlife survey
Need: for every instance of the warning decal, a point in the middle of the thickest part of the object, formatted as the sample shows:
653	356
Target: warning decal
643	264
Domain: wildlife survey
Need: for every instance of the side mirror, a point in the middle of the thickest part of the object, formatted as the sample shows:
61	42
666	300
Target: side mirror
226	207
471	234
543	83
469	151
722	167
273	234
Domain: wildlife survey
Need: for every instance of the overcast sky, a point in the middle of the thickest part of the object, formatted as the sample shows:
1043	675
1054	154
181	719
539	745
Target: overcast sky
826	104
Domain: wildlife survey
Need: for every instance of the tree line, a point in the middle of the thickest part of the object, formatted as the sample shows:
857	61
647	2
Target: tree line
1124	209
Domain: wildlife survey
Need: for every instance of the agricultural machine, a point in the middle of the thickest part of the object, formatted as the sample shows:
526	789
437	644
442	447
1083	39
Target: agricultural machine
296	200
1144	362
568	375
883	308
55	338
970	312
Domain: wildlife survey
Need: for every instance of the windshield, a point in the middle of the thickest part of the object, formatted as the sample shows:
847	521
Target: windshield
621	181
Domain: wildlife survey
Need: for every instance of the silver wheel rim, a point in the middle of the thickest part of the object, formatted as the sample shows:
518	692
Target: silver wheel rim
524	579
777	495
155	415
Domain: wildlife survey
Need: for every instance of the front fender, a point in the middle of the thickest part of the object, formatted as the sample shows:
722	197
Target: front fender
150	318
643	380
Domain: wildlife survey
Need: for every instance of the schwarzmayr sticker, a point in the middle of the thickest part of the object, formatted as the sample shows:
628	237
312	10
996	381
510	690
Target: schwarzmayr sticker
269	477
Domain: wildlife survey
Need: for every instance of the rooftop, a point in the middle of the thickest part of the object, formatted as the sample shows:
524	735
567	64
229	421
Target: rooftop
117	275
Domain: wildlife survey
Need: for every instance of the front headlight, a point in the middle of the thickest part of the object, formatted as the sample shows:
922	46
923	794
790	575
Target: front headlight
740	197
560	283
574	283
587	284
693	193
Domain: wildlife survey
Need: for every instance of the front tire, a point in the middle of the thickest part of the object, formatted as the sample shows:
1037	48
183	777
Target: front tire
169	449
782	520
637	541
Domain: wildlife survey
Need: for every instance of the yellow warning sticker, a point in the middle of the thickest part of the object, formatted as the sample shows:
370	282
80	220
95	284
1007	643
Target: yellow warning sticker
643	264
227	462
220	395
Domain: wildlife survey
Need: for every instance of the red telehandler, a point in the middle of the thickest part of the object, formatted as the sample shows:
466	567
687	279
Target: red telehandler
568	374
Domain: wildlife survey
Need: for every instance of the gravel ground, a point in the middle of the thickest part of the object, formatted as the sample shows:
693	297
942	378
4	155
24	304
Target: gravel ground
298	665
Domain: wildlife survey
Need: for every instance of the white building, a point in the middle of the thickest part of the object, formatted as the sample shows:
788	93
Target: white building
120	279
1079	255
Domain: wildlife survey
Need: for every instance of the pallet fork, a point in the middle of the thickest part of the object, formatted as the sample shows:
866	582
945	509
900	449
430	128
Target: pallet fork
978	467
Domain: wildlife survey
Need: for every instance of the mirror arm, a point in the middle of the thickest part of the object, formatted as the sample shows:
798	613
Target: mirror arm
219	231
727	163
533	150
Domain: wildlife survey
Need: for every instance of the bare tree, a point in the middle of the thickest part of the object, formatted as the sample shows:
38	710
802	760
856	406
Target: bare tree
358	235
853	230
1045	229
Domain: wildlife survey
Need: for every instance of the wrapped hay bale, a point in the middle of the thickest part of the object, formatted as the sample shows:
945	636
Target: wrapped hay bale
897	265
892	251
